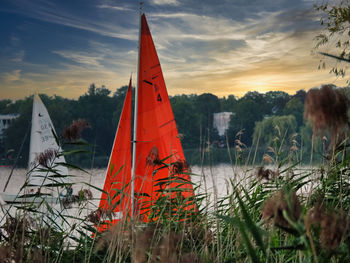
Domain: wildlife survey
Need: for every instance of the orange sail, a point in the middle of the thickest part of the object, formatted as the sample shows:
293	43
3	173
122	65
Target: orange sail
116	195
157	135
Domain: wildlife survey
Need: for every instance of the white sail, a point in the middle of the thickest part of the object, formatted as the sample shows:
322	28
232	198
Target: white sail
41	140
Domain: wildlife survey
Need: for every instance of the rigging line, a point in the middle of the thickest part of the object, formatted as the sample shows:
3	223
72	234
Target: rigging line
19	152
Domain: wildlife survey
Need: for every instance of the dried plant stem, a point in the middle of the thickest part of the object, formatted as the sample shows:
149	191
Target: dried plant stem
215	203
256	148
229	153
312	148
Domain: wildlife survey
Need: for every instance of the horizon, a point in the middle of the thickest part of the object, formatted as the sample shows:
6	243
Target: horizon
56	47
113	91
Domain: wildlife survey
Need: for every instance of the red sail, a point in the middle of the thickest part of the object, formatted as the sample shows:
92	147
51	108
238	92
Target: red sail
157	135
118	177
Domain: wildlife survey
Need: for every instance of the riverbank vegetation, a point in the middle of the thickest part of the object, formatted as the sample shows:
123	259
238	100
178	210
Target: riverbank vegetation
253	124
280	214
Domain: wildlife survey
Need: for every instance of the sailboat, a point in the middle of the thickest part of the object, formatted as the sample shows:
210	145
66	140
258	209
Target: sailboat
43	148
132	184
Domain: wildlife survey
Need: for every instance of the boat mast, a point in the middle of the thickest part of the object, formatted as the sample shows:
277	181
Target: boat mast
135	120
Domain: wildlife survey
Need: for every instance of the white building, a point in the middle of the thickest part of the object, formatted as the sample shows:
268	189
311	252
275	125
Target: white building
5	121
222	121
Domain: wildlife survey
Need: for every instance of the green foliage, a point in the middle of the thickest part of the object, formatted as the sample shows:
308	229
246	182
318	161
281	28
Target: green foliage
335	36
249	109
17	131
187	119
269	128
295	107
193	115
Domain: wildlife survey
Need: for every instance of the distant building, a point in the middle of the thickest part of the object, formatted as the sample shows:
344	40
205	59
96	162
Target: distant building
222	121
5	121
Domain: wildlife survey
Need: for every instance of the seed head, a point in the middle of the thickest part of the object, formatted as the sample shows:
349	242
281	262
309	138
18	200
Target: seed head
334	225
153	157
266	174
279	202
47	157
73	132
180	166
267	158
327	108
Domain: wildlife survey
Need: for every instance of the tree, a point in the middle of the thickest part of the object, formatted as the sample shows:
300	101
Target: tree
249	109
3	106
336	31
268	129
295	107
228	104
301	95
19	131
206	104
118	102
187	119
276	101
97	107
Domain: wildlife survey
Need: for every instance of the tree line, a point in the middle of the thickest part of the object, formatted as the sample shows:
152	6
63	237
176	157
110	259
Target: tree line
256	120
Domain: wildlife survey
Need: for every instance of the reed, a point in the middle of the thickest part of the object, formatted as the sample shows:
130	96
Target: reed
278	212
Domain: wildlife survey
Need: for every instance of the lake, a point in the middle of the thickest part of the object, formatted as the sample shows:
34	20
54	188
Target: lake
206	177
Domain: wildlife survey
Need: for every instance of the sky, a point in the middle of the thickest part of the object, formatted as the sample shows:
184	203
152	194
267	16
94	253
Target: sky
60	47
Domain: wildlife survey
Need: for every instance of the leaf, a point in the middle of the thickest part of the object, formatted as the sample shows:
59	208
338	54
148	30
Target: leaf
75	152
246	240
97	188
254	230
72	166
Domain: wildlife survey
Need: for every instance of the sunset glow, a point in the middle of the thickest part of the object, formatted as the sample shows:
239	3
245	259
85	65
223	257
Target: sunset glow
223	48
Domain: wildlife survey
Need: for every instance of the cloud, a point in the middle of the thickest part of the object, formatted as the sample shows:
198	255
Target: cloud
12	76
84	58
118	8
226	52
268	51
102	56
54	13
165	2
18	56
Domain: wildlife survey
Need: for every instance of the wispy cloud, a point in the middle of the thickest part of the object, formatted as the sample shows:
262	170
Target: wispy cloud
84	58
113	7
12	76
165	2
18	56
241	47
53	13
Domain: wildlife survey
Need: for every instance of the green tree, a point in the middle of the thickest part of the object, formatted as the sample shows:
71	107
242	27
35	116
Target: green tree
228	104
187	119
319	144
296	108
276	101
206	105
61	110
275	126
118	102
97	107
335	35
19	131
249	109
3	106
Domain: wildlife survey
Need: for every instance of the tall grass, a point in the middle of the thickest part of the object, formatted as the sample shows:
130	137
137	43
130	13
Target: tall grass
282	212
